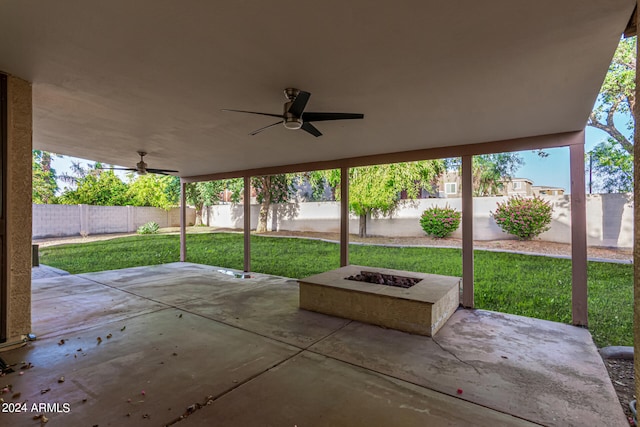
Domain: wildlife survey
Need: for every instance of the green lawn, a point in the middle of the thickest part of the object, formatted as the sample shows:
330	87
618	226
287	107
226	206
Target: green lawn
531	286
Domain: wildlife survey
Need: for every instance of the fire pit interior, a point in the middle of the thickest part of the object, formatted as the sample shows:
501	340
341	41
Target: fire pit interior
384	279
412	302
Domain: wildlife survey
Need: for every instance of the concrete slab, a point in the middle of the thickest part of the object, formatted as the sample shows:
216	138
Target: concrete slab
177	361
68	310
313	390
269	308
44	271
546	372
146	274
53	287
536	370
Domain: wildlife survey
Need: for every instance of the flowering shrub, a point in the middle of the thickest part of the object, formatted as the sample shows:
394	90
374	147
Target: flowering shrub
525	218
440	222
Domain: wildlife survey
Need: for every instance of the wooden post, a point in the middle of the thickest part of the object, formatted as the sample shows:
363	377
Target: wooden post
344	216
636	228
183	221
578	235
467	232
247	224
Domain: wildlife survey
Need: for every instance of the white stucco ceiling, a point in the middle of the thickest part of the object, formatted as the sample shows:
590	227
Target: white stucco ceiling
110	78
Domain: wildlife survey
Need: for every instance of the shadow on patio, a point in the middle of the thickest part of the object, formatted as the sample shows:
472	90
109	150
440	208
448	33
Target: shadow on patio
184	340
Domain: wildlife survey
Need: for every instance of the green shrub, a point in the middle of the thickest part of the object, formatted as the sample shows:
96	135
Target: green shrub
149	228
525	218
440	222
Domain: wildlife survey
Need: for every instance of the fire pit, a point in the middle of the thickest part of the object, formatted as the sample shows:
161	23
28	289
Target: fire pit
384	279
412	302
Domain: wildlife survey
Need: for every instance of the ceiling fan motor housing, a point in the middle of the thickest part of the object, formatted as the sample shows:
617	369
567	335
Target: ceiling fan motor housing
142	168
290	120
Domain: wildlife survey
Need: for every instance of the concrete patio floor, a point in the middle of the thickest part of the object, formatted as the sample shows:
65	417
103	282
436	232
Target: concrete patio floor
184	339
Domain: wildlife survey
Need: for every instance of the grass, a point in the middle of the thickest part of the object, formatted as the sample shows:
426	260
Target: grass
526	285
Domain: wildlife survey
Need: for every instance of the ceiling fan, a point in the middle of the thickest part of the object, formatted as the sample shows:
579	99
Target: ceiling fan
142	169
294	117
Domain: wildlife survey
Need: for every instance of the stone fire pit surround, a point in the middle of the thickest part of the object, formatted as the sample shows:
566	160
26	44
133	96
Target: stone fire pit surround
421	309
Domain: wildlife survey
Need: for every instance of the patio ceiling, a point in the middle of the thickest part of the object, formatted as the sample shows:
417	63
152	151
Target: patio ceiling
111	78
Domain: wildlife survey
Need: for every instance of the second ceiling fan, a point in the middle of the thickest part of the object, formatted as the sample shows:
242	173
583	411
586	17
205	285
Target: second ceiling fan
294	117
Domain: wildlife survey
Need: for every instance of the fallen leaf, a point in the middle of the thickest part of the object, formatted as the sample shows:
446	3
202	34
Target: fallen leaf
45	390
61	379
109	336
459	391
61	342
16	395
99	340
180	317
123	328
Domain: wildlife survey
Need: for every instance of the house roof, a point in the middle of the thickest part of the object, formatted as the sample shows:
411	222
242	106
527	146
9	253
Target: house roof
111	78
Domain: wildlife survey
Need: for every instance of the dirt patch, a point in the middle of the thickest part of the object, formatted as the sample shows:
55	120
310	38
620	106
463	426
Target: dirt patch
622	377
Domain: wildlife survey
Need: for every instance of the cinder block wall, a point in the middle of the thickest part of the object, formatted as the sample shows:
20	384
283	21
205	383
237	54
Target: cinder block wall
74	220
609	219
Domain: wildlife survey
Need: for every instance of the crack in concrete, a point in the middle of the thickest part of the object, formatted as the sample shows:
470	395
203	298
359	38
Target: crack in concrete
455	356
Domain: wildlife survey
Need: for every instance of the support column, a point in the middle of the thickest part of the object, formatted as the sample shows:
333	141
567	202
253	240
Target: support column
15	284
578	235
636	228
183	221
467	232
344	216
247	224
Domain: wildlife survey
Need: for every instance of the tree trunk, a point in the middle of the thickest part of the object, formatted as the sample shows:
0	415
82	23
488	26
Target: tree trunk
264	214
362	232
198	214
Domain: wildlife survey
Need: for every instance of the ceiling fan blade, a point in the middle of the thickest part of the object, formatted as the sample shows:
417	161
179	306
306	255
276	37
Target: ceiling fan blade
252	112
160	171
266	127
311	129
321	117
299	103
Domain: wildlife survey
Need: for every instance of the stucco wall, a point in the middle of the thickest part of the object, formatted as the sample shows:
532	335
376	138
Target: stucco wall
18	208
73	220
609	218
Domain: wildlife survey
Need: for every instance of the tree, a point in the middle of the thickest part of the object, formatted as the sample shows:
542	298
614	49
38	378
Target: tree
613	166
153	190
375	190
612	159
490	171
201	194
617	96
271	189
44	184
101	188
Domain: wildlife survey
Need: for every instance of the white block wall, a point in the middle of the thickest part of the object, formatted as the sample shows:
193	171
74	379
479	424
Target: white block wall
609	219
74	220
